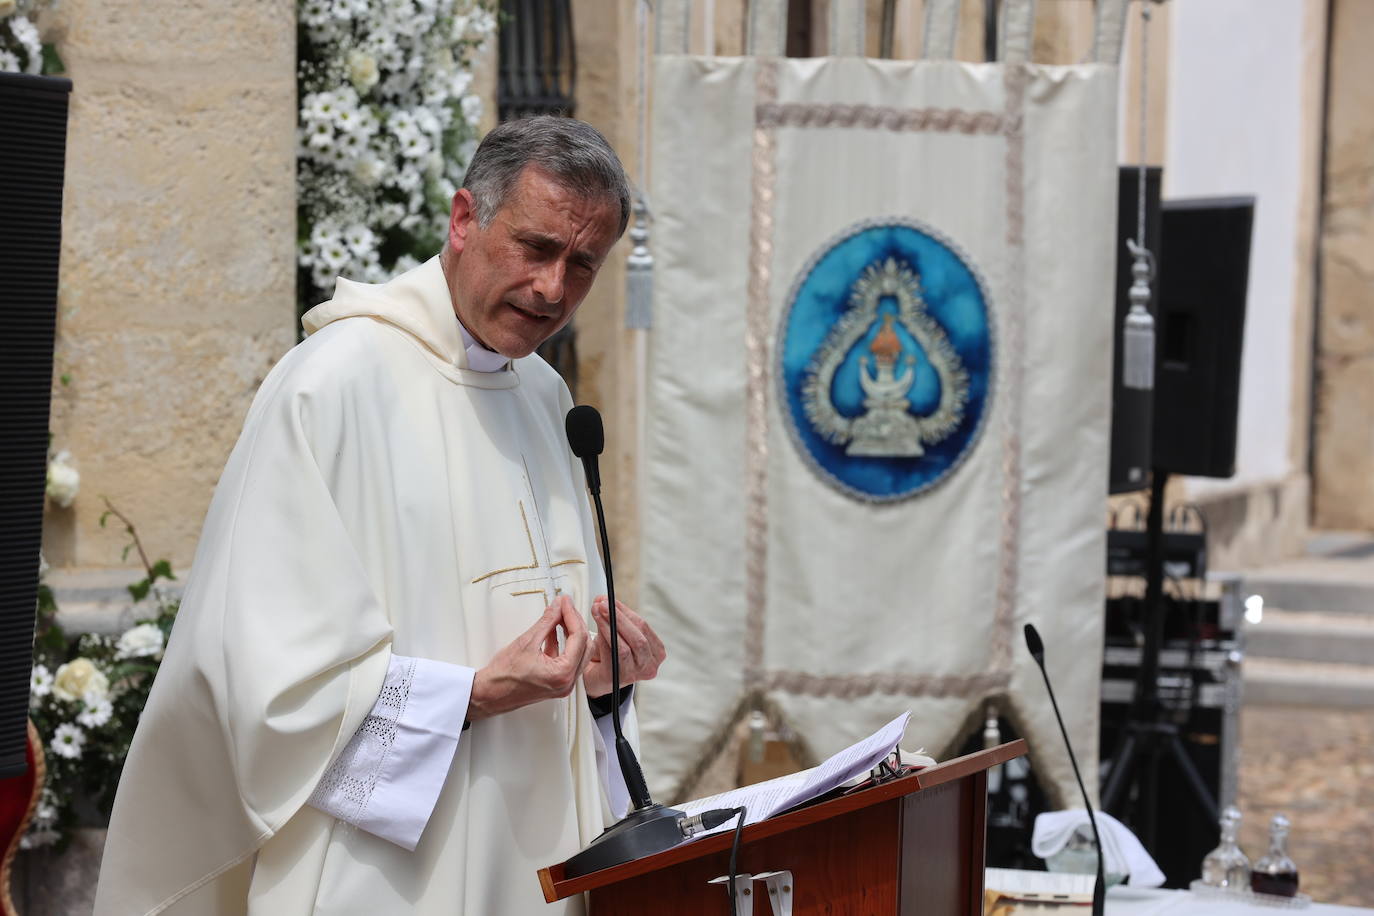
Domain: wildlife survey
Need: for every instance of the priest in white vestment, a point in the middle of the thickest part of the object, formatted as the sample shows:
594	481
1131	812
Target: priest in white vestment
376	695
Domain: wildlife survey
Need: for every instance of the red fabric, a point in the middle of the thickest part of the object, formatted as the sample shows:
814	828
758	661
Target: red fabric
17	796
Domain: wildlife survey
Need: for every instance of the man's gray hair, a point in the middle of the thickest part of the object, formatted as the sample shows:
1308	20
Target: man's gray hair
571	151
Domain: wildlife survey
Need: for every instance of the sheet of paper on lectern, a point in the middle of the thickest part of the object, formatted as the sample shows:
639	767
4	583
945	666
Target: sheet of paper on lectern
765	799
1040	886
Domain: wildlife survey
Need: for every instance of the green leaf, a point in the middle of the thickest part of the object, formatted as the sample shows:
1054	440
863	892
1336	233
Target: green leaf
163	569
53	66
65	378
140	589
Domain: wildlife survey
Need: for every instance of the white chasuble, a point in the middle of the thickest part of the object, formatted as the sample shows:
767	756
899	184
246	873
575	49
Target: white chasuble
383	498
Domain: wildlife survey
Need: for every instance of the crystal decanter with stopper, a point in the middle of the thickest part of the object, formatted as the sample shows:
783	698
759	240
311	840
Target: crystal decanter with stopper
1227	866
1275	873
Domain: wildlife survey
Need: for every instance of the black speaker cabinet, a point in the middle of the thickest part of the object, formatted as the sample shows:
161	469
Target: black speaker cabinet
1200	329
1131	408
33	112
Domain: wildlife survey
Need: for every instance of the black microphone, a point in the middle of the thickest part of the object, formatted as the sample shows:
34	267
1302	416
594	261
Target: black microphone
649	828
586	438
1037	651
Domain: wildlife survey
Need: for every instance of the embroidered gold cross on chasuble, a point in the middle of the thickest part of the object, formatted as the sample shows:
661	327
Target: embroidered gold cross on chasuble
539	574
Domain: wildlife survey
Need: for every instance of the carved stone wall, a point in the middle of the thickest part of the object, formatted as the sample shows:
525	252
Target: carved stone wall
1343	450
177	277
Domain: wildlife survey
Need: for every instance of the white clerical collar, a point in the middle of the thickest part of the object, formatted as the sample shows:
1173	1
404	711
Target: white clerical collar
479	357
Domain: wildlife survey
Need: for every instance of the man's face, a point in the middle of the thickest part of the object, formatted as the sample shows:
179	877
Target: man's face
517	281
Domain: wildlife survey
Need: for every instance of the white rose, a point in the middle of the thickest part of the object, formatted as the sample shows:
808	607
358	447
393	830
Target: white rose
142	641
80	678
63	480
369	170
362	70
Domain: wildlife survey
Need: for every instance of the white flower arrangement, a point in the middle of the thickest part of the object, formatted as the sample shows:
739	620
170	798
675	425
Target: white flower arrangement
86	695
387	126
21	50
64	481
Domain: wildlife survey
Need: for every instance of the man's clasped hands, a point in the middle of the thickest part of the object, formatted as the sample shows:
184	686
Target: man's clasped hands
534	667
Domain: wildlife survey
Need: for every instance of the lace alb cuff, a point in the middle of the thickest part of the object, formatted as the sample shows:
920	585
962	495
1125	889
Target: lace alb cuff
388	777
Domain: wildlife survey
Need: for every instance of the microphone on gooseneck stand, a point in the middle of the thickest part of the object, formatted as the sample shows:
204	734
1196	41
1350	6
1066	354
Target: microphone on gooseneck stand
649	827
587	439
1037	651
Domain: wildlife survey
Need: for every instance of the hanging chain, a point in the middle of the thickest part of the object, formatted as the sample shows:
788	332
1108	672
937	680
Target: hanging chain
643	8
1138	336
639	267
1144	118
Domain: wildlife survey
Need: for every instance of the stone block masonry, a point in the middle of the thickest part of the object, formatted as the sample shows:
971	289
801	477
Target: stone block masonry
177	285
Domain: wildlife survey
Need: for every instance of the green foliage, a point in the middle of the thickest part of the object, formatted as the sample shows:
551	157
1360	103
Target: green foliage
108	709
53	66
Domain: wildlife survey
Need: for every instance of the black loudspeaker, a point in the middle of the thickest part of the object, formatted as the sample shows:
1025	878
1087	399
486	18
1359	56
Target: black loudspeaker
1200	330
33	110
1131	408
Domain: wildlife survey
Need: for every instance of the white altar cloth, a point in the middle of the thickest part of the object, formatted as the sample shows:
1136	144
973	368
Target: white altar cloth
1151	901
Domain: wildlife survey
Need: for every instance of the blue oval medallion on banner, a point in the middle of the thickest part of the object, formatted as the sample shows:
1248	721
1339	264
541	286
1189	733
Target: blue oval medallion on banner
886	360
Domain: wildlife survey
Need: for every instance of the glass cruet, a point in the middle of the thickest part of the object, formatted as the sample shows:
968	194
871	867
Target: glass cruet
1275	873
1227	865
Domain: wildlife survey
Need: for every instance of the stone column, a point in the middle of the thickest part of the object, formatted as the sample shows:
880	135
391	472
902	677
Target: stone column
1343	451
606	40
177	282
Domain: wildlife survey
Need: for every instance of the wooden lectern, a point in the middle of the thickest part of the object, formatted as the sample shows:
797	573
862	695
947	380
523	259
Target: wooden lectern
912	845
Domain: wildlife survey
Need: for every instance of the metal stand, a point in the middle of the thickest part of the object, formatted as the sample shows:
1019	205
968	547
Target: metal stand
1148	734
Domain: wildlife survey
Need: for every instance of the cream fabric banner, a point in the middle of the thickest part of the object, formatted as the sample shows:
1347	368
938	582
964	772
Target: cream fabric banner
878	400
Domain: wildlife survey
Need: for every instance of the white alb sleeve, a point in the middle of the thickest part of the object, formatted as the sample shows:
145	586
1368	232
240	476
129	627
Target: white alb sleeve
607	761
387	779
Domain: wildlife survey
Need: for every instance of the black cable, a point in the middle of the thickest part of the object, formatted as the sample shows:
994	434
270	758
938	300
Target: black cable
734	857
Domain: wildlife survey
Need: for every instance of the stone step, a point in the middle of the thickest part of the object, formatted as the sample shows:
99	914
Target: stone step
1332	584
1312	636
1312	594
97	600
1281	682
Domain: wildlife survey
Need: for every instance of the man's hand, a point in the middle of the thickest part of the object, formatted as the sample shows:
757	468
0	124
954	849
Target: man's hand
531	668
641	651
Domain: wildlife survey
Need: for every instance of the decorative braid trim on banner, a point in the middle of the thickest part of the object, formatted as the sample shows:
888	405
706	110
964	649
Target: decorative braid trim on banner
1014	309
854	686
880	117
756	383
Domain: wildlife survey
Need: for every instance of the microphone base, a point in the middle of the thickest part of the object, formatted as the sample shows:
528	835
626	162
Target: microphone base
642	832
